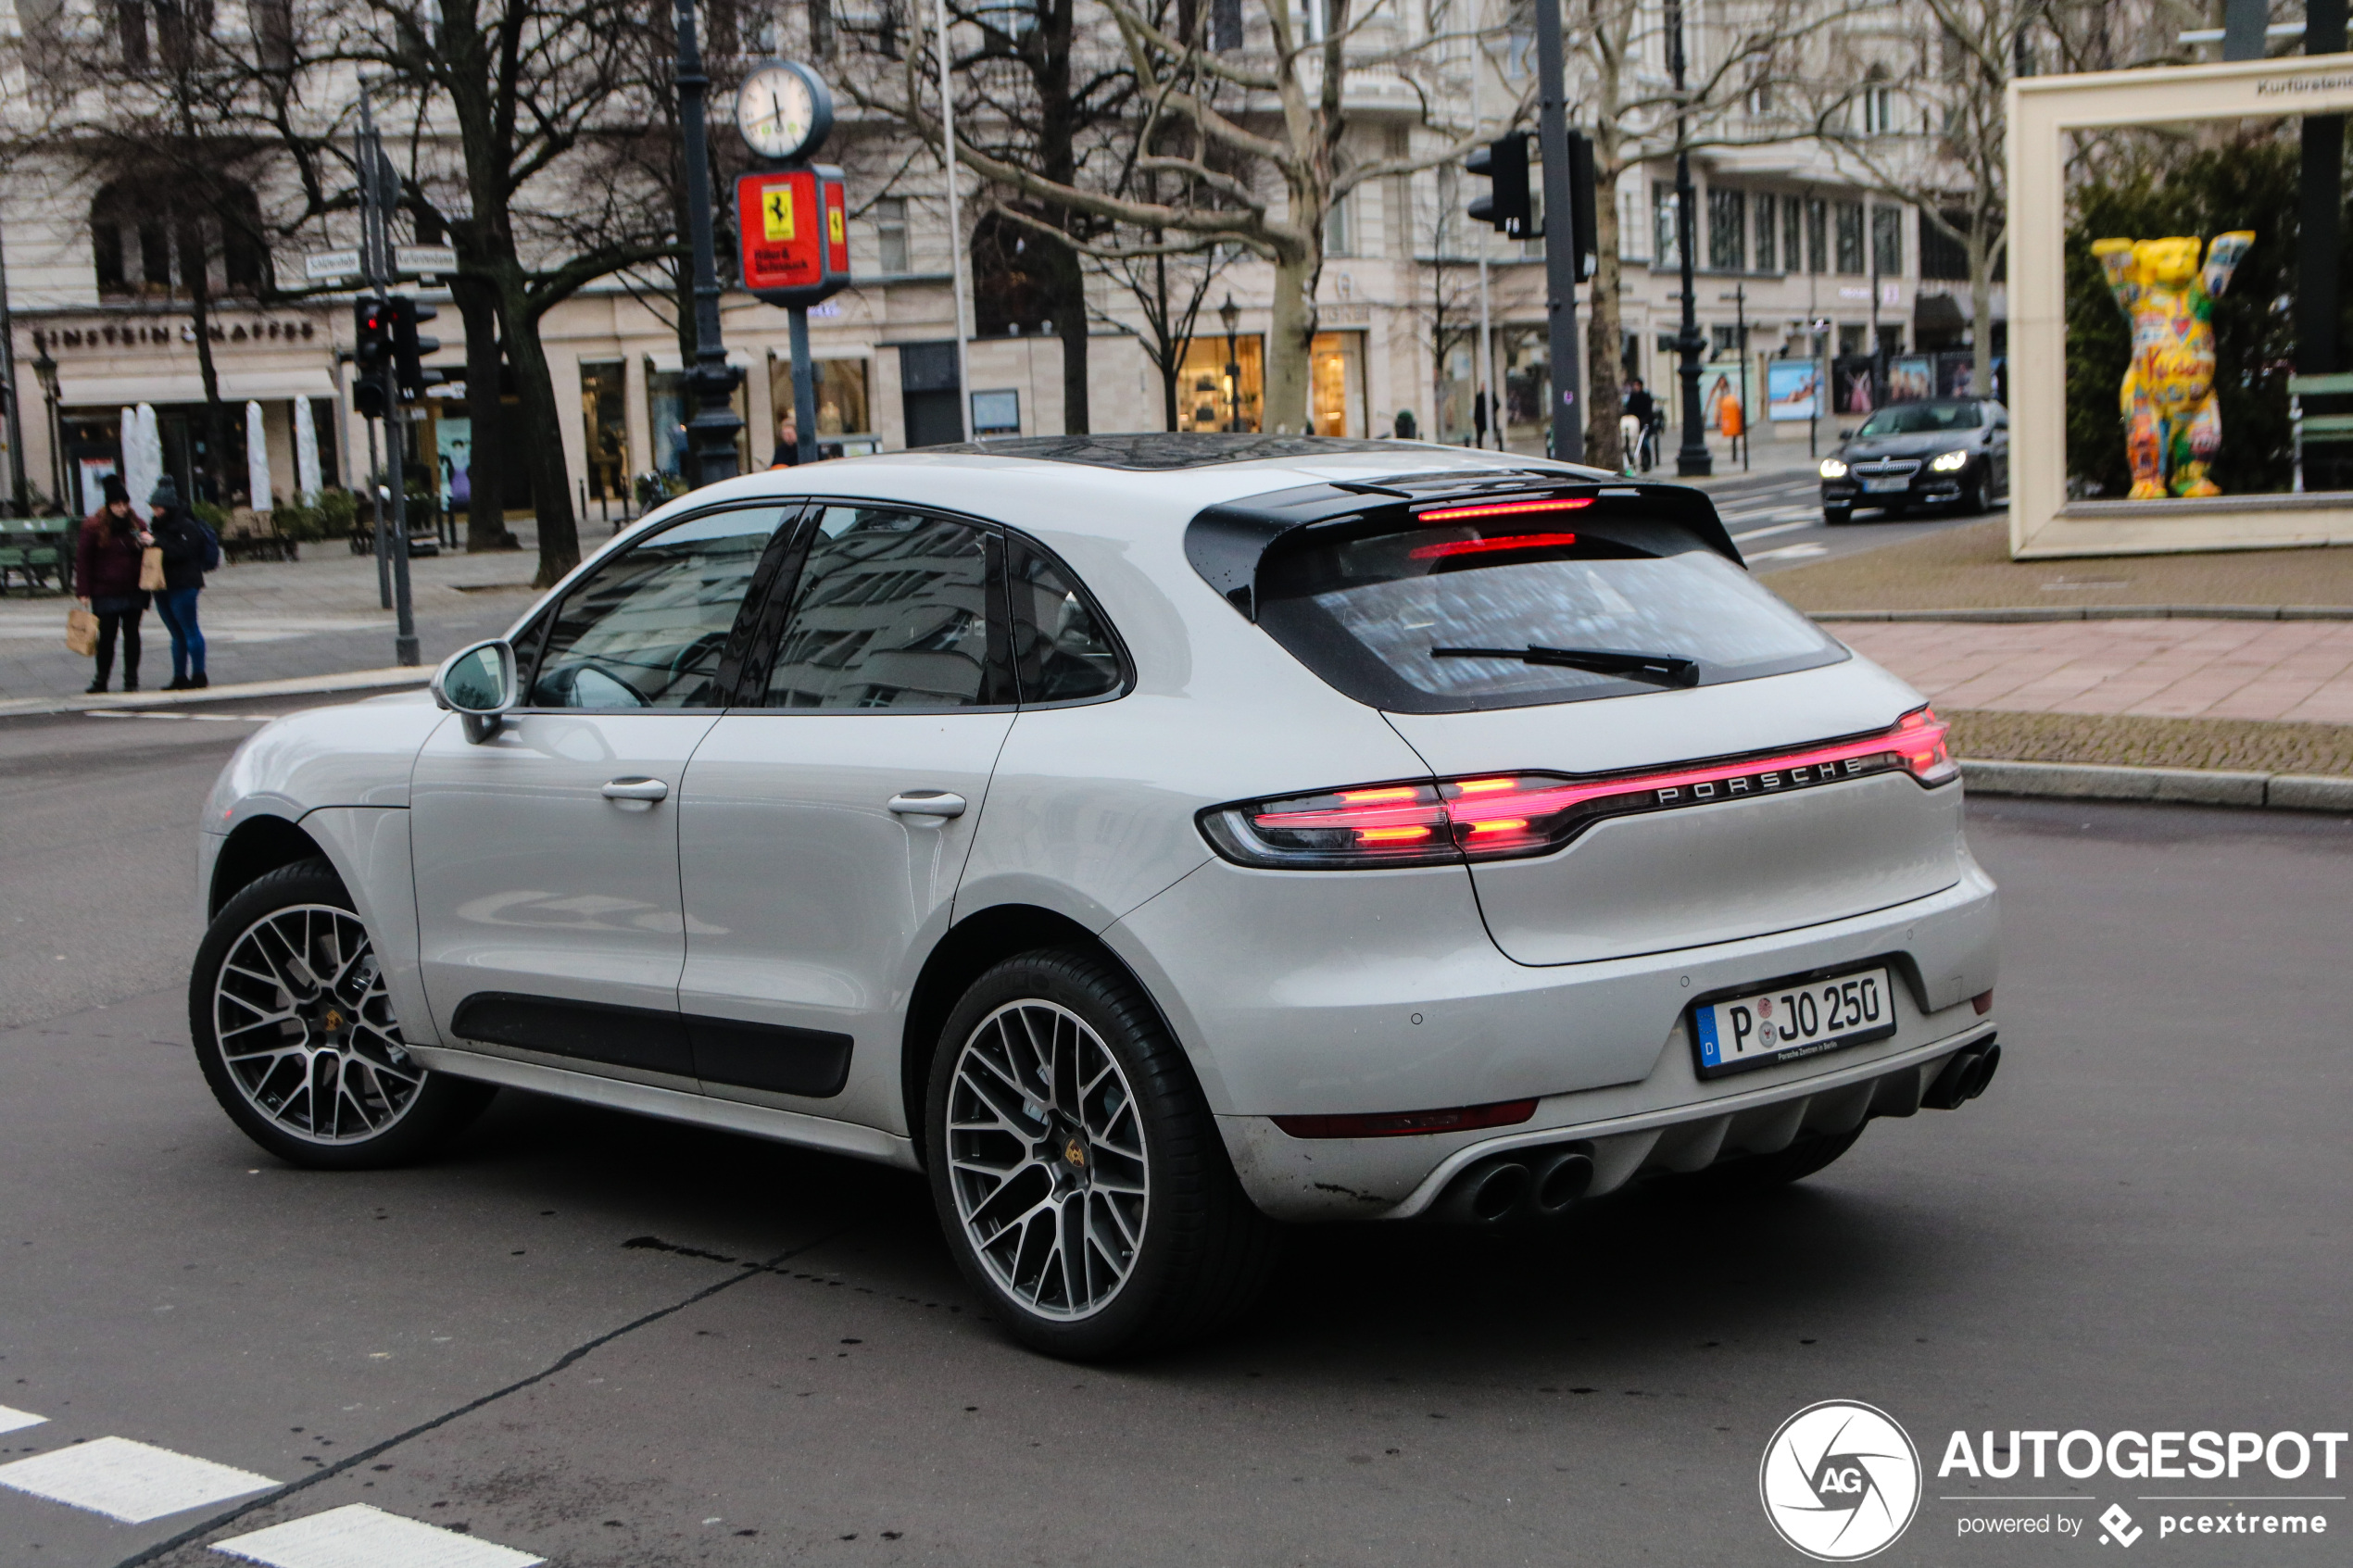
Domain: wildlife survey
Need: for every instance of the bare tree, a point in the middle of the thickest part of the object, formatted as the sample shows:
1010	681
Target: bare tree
1265	174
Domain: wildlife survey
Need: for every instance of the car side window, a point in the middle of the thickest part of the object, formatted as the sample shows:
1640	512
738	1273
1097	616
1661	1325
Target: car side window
1062	651
649	627
891	611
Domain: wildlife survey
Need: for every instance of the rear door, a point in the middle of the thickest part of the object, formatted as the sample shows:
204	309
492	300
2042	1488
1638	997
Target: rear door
546	857
826	821
1531	653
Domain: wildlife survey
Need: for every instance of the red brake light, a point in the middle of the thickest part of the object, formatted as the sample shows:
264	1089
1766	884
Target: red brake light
1492	817
1480	546
1501	509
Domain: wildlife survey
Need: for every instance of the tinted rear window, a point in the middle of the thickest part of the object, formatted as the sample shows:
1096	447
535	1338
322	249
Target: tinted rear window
1366	610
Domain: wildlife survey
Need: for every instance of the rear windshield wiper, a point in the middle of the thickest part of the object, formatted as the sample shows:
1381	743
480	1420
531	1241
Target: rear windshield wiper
1659	668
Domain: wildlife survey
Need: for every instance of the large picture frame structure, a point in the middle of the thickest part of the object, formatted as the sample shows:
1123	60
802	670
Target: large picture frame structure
2042	109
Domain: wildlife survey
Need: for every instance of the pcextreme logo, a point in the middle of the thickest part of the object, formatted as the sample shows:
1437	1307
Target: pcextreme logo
1839	1481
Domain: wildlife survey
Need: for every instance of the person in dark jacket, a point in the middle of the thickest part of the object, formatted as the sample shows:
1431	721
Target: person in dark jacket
183	543
106	568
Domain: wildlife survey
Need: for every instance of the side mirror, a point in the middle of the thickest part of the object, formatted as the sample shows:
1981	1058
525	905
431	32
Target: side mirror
1846	436
478	684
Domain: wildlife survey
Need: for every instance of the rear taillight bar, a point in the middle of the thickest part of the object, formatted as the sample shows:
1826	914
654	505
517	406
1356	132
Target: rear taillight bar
1505	816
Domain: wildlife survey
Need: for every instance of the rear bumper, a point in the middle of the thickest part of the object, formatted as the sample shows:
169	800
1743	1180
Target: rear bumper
1404	1004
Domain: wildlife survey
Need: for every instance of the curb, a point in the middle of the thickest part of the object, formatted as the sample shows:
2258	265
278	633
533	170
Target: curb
2193	787
2102	612
301	685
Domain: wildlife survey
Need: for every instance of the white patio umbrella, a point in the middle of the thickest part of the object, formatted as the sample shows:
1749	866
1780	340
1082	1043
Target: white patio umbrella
306	453
142	454
257	458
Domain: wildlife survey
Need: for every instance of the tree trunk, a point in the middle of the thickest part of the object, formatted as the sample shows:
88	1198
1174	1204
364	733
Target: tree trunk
1068	291
542	459
1283	408
216	427
485	465
1603	333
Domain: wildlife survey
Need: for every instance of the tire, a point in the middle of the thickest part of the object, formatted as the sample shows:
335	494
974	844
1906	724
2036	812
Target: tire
1754	1173
1973	498
385	1108
1837	517
1172	1249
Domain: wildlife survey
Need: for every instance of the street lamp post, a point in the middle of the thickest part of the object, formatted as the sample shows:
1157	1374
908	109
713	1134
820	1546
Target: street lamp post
710	434
1692	459
1231	315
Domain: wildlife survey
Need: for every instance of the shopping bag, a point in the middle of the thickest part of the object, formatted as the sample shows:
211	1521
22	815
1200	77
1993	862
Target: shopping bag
81	632
151	569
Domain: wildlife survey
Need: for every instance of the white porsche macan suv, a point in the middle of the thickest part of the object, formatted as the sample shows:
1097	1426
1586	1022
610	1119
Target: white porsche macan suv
1151	838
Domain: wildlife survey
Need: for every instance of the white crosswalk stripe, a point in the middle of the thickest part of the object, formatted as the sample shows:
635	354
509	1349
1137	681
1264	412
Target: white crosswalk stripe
362	1537
132	1482
17	1420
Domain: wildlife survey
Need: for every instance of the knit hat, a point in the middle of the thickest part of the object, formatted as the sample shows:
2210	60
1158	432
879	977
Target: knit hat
117	494
165	495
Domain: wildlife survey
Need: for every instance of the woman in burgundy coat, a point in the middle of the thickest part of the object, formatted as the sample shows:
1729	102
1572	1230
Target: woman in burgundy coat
105	570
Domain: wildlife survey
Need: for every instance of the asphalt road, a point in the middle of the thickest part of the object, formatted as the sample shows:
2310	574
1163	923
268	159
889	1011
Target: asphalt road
611	1342
1777	521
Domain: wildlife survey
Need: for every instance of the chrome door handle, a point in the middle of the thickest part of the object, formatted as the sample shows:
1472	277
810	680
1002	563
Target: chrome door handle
647	790
928	803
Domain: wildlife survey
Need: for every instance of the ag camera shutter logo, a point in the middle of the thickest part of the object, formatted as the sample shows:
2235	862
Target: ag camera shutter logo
1839	1481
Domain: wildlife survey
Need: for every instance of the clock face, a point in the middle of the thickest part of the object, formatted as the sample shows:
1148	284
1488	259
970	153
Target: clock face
778	112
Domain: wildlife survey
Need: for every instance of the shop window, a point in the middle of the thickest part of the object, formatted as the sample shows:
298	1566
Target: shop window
1336	384
604	392
996	412
667	411
841	395
1014	284
1213	393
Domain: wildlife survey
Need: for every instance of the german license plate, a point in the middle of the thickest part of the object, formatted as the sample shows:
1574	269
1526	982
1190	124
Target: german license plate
1789	1021
1884	486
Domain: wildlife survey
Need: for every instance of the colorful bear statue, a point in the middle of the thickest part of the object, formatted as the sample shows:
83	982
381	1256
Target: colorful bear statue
2173	425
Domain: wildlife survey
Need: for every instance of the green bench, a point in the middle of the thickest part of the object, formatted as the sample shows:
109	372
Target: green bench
2317	428
36	549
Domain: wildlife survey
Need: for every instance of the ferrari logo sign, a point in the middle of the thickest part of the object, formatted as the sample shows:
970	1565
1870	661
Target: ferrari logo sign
794	227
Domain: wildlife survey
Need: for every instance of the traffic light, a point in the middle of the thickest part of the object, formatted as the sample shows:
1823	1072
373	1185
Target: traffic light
408	350
371	336
1505	206
368	398
1581	203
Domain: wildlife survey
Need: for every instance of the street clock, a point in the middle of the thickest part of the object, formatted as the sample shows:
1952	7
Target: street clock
783	111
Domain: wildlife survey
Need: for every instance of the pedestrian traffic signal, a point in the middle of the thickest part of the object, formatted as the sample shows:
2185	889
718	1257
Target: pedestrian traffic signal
1506	205
408	350
372	335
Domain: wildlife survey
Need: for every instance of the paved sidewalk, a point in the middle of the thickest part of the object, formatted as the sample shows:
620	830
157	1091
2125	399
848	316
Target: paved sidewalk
2296	670
267	620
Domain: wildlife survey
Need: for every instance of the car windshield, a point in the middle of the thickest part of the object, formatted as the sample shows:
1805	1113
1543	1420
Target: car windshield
1923	419
1371	614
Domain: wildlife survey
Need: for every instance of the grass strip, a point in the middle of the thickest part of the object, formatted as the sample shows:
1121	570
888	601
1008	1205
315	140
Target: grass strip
2252	745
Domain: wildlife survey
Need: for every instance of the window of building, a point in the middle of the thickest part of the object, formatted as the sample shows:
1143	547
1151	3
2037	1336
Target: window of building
1724	340
273	33
1817	228
1769	221
1887	241
1225	24
1792	234
821	30
1665	250
1727	229
1340	224
153	238
131	33
890	229
1850	237
1213	393
1631	230
1879	111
